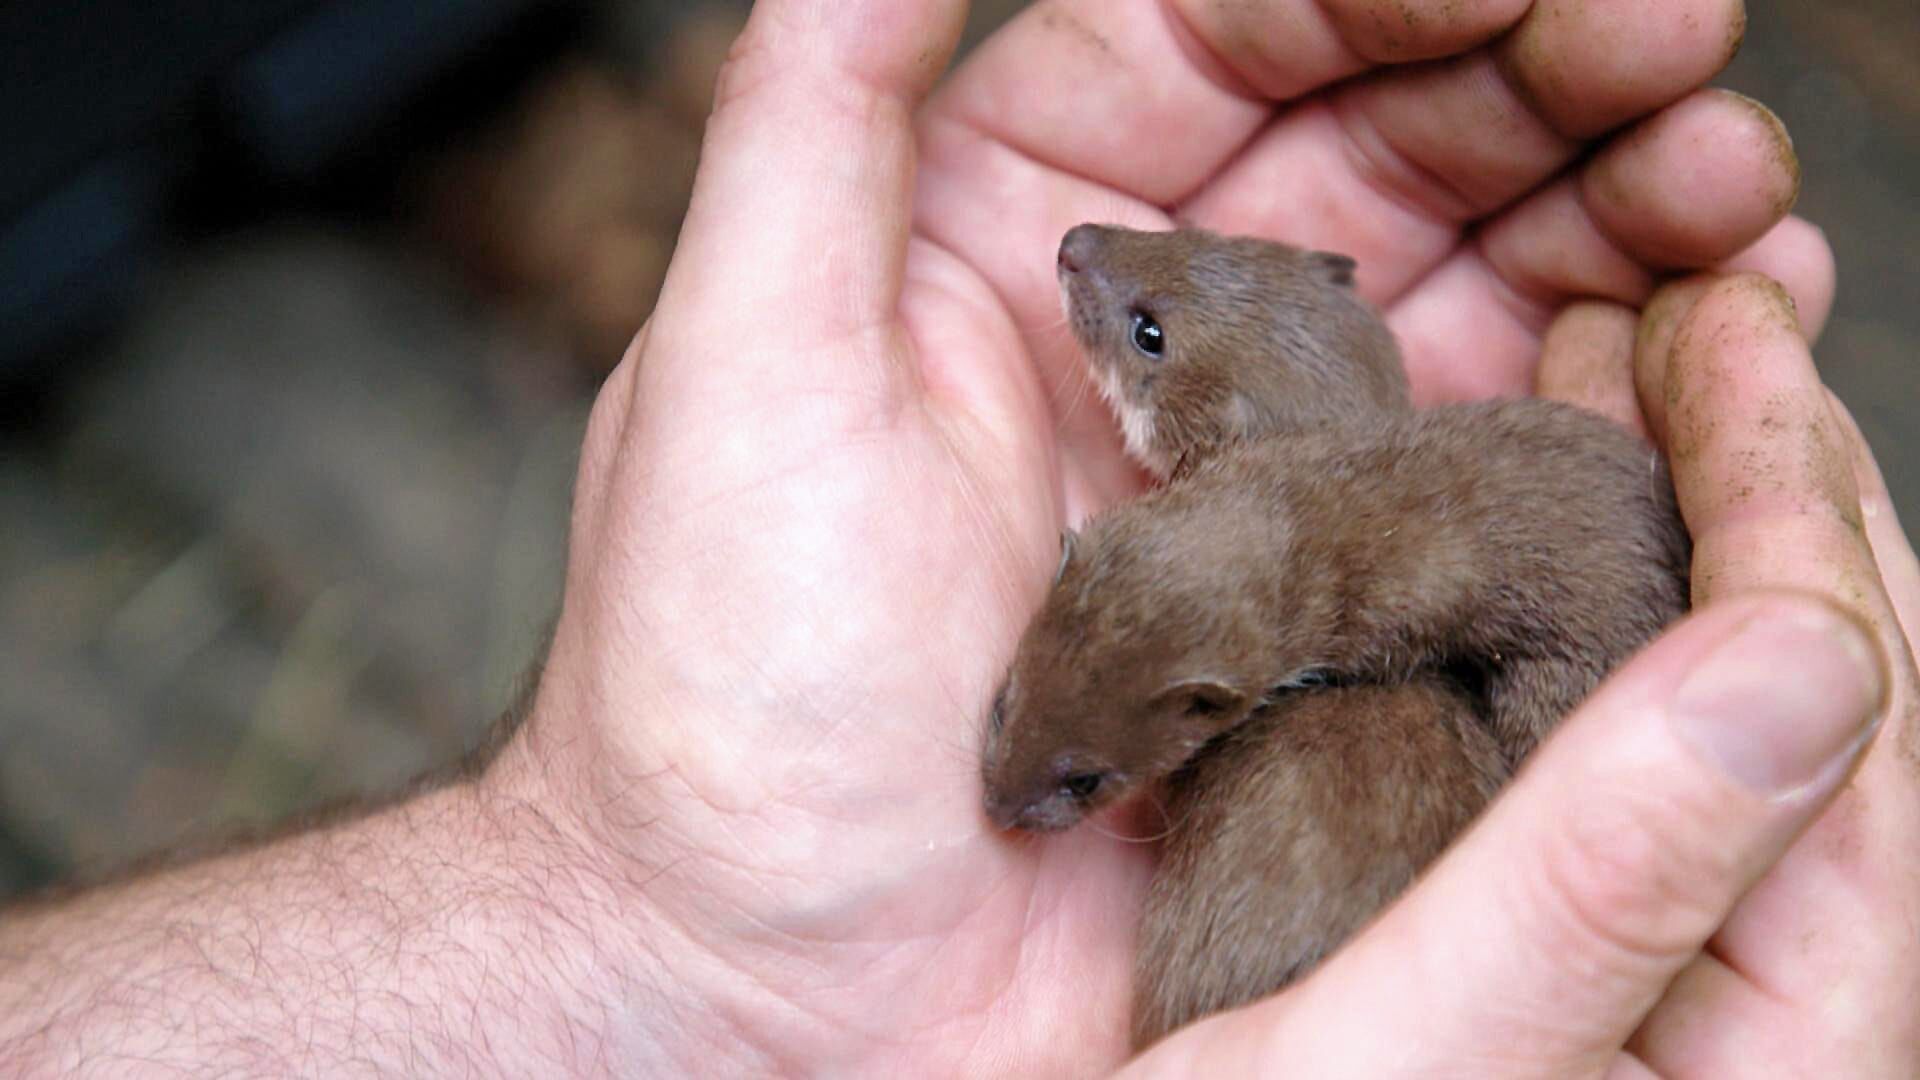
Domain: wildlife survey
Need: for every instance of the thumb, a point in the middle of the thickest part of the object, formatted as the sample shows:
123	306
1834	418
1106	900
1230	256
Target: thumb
797	230
1537	944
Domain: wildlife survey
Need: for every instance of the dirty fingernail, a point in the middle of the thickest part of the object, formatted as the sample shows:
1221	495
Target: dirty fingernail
1786	701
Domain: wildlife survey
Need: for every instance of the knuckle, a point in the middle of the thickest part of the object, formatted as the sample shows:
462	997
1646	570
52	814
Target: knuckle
748	65
1635	882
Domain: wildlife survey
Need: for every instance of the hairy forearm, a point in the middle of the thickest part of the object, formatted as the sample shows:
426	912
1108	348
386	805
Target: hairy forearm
459	931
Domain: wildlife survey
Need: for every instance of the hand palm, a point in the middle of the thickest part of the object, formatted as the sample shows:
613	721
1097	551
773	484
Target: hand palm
888	449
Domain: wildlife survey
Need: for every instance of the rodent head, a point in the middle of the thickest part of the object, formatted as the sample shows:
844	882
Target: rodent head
1122	675
1195	339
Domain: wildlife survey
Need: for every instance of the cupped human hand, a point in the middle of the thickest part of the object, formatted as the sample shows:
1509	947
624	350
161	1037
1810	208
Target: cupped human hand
822	491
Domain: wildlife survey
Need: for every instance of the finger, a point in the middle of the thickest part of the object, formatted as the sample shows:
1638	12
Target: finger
1766	478
1892	550
1690	220
1387	168
1150	98
1713	1022
1599	233
1587	360
1589	67
1639	203
1539	942
1659	322
796	235
1793	253
1796	254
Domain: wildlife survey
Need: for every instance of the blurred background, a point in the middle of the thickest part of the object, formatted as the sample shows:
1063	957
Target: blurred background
302	305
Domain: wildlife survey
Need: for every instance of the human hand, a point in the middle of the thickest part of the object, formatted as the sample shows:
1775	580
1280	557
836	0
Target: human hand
1620	910
822	492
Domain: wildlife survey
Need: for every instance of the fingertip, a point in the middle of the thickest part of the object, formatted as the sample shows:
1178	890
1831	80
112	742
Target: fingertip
1395	31
1785	739
1708	331
1737	325
1795	252
801	203
895	47
1745	413
1697	182
1591	67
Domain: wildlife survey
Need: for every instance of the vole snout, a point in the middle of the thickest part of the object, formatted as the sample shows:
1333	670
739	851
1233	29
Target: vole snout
1079	248
1050	812
1047	797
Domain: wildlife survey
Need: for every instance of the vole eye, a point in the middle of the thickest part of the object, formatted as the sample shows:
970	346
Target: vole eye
1147	335
1081	786
997	719
1309	679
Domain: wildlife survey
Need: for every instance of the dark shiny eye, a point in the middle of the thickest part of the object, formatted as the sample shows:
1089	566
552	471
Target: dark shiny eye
1081	786
997	719
1147	335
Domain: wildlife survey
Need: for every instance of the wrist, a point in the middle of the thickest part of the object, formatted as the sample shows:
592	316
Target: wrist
636	955
755	932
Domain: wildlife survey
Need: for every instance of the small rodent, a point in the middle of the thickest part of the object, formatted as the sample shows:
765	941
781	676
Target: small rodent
1292	830
1529	546
1197	339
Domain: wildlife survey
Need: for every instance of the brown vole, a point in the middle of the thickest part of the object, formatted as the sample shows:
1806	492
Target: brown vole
1196	339
1530	544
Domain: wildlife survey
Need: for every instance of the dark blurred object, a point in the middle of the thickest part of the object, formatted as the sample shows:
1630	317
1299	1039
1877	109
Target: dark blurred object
297	545
570	209
286	500
110	104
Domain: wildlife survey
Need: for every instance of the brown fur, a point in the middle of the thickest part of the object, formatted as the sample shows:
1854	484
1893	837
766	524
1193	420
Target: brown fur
1259	337
1294	830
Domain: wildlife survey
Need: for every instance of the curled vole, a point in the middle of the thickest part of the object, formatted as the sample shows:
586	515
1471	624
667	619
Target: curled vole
1197	340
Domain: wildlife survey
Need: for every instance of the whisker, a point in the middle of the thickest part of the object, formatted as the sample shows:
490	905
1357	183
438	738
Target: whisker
1170	825
1082	382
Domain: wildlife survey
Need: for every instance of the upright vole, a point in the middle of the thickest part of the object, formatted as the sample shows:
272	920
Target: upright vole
1198	340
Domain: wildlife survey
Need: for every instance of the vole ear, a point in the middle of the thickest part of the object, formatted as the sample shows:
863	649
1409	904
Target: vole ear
1332	266
1205	707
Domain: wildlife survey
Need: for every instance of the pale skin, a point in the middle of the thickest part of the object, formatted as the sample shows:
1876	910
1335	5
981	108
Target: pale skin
741	830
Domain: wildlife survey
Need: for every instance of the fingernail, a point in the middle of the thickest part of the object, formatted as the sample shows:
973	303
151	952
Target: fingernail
1784	703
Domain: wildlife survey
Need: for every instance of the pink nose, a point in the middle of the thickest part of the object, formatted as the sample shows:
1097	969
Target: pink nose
1078	247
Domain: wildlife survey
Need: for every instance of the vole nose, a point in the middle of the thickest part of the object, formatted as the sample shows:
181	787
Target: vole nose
1003	811
1078	247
